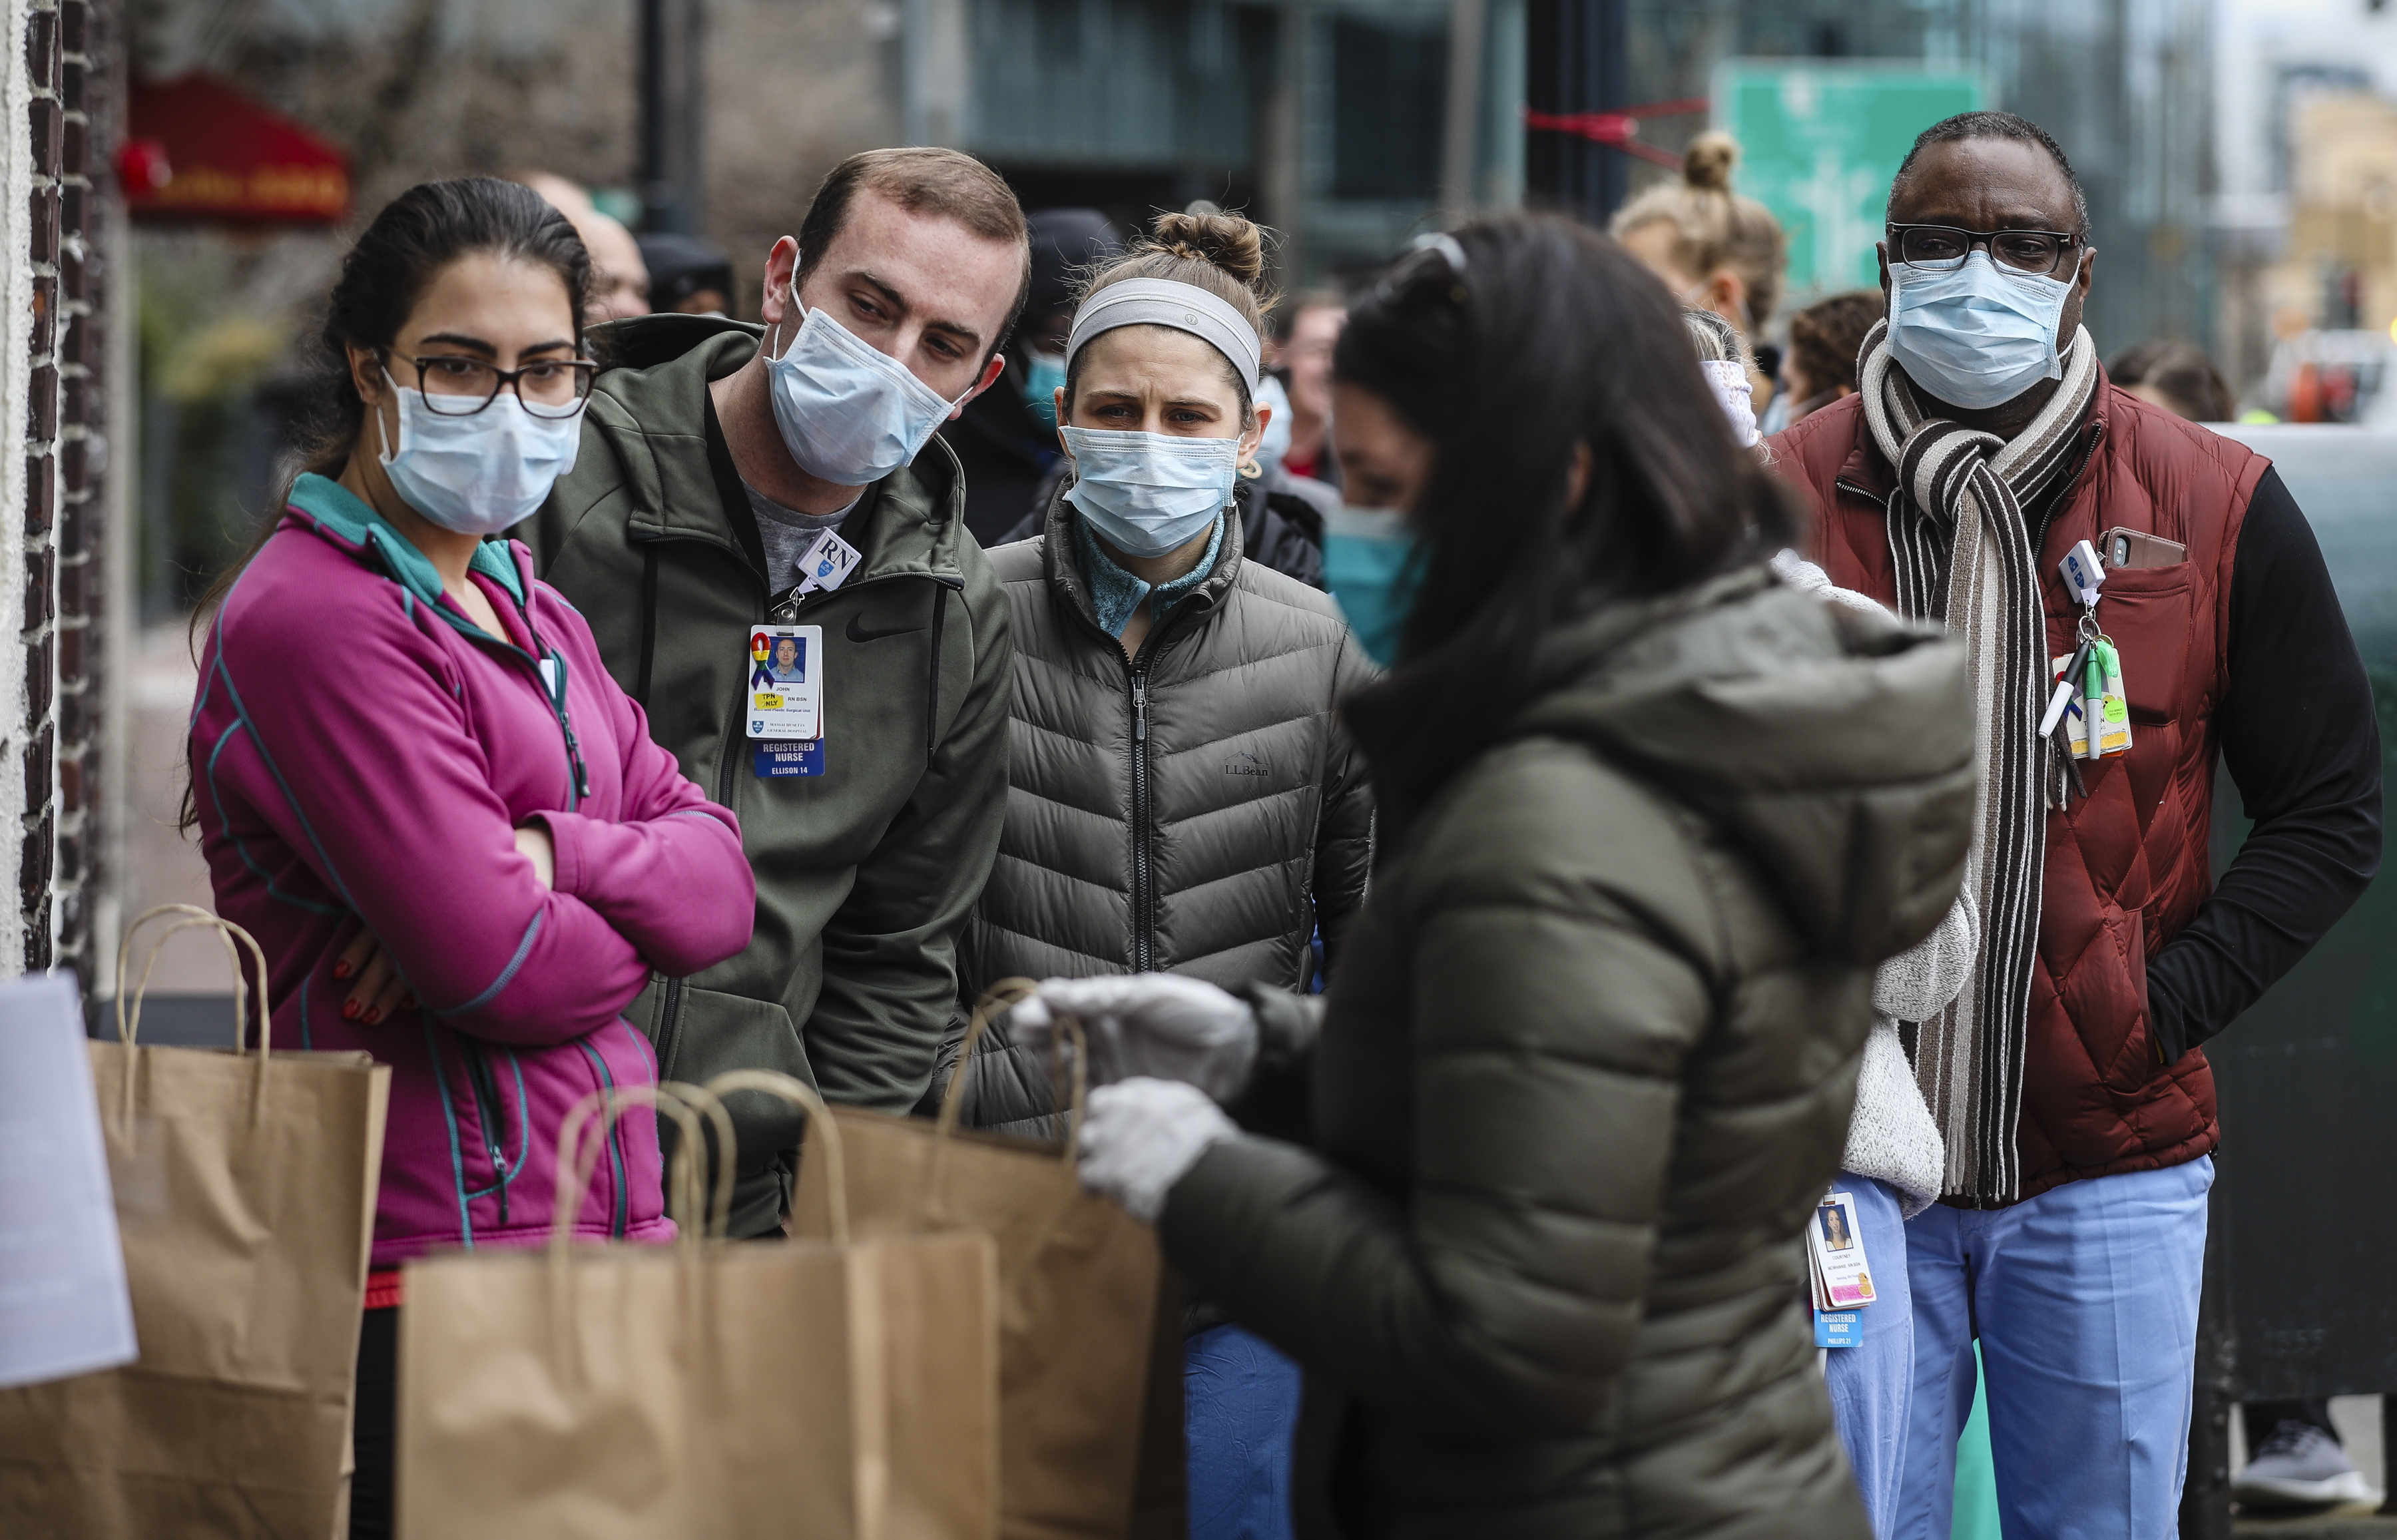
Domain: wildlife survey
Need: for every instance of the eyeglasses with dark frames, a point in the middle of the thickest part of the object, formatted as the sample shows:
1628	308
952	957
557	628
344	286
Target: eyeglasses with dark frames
456	385
1943	247
1432	270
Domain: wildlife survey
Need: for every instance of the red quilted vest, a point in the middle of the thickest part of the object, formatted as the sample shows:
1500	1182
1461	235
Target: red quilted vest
2128	866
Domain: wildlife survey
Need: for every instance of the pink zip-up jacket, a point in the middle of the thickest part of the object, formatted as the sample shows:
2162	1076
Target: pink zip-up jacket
362	754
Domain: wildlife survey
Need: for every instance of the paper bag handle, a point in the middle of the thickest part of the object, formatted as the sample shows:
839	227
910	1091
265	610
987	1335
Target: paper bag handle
717	1218
576	1163
244	1002
230	935
1070	1031
1006	995
802	1095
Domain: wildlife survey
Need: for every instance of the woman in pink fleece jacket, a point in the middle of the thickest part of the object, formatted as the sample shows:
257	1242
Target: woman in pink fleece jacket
416	783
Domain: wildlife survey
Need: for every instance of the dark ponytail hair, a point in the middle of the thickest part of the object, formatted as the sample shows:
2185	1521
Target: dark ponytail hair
417	234
1222	254
1553	337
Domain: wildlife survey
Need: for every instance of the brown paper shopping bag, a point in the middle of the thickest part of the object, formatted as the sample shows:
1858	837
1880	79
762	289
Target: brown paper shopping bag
1079	1288
245	1188
841	1390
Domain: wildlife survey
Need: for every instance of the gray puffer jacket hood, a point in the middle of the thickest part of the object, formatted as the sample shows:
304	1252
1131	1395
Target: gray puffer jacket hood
1531	1224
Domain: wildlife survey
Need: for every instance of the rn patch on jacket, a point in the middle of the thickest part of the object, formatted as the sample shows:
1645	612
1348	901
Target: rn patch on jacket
1246	764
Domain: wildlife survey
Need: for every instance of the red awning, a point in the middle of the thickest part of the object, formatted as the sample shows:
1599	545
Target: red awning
200	150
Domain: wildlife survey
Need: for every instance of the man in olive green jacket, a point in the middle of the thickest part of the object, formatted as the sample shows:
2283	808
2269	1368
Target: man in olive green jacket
710	466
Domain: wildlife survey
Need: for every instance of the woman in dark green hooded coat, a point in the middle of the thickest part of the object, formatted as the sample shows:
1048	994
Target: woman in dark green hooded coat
1524	1195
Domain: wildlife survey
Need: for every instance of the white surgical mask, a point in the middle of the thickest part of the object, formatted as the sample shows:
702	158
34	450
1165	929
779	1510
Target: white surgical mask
1276	442
482	473
1146	493
1976	335
1735	394
849	413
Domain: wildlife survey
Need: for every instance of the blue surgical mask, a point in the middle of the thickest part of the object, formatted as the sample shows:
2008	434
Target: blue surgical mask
1146	493
849	413
1369	564
482	473
1044	376
1976	335
1276	443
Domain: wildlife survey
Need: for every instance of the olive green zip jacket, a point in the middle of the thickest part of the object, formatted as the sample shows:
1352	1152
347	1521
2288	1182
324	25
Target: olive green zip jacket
1584	1073
866	873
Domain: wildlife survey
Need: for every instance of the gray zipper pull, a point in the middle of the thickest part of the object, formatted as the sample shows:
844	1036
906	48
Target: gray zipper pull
1140	709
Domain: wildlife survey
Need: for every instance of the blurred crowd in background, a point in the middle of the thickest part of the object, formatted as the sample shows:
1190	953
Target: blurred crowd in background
2239	159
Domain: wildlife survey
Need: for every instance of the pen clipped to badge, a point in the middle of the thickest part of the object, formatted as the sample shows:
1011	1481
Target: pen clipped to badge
2089	680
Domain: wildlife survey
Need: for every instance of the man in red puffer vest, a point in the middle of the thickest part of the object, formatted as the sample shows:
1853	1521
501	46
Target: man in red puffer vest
1984	445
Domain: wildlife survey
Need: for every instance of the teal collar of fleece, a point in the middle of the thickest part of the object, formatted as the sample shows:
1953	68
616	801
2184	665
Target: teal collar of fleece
1115	592
339	509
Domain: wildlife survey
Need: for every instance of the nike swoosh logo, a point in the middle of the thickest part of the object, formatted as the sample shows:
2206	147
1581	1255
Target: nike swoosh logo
857	632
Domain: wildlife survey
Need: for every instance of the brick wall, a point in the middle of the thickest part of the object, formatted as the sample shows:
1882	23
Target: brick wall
70	93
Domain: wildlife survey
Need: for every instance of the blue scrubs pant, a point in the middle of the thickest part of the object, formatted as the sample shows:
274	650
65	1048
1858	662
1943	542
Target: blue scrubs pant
2084	1301
1872	1382
1240	1404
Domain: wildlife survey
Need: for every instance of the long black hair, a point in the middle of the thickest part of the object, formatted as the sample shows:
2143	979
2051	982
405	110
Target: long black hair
1551	338
418	234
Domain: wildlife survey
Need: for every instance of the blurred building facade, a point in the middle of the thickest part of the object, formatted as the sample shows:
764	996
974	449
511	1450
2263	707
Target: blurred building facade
2329	293
2338	266
2125	87
2304	224
1345	124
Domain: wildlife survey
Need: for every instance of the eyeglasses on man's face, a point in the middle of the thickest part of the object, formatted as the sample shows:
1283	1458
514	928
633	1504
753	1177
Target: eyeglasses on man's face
458	385
1943	248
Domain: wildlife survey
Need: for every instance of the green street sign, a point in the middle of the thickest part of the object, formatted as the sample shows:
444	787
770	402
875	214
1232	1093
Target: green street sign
1819	141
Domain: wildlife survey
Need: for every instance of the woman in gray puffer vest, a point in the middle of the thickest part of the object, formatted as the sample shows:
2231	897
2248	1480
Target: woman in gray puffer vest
1180	797
1523	1192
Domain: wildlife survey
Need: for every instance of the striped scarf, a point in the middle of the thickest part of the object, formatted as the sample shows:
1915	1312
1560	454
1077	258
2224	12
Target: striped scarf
1965	555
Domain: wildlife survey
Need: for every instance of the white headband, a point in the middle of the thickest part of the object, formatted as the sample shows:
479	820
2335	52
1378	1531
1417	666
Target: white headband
1164	303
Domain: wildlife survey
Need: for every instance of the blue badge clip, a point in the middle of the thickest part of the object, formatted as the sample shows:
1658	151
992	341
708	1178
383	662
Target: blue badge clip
2083	573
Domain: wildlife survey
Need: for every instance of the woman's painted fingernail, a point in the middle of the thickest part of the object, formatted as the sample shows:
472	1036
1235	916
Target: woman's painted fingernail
341	969
374	1015
349	1011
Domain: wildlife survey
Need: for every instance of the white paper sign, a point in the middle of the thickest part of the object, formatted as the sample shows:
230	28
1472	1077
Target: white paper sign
63	1305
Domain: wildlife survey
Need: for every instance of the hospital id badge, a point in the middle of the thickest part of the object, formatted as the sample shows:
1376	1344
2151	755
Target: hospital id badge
1836	1248
1838	1327
785	691
2099	694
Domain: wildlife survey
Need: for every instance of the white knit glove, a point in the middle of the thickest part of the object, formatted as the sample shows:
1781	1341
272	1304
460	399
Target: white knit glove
1140	1136
1159	1024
